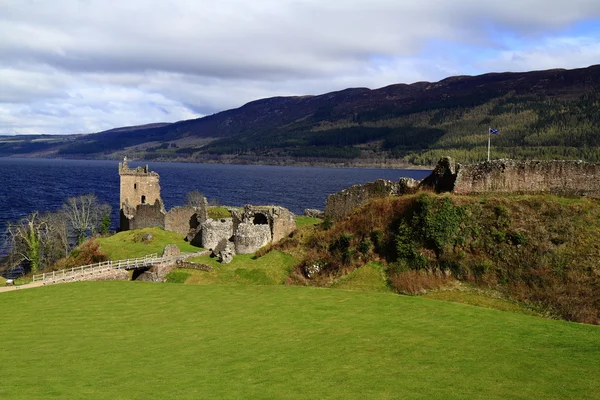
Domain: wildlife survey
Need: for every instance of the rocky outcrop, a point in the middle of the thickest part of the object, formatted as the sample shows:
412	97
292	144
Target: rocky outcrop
171	250
313	213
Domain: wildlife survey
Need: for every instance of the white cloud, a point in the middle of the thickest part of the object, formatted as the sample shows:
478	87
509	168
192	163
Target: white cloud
561	52
103	64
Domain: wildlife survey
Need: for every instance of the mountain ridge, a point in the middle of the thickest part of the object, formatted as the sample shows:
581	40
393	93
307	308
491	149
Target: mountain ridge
404	123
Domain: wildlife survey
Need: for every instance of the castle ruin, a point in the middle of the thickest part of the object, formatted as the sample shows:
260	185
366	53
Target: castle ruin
563	178
244	232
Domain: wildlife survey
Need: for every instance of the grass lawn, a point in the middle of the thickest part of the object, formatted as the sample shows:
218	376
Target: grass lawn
129	244
370	278
307	221
218	212
129	340
270	269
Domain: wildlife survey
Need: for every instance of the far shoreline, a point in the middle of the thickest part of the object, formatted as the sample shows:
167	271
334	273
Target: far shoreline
287	162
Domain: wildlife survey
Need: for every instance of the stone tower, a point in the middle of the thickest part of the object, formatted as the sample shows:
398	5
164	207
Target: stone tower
139	186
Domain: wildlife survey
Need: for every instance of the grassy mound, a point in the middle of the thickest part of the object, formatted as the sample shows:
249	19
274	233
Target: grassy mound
130	244
271	269
543	250
142	340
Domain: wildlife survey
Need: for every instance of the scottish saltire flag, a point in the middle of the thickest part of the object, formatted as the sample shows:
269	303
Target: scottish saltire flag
493	131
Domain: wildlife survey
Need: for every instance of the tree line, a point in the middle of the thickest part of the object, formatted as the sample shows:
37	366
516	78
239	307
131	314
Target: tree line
39	240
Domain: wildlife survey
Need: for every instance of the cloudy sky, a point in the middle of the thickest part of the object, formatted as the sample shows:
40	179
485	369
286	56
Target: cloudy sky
78	66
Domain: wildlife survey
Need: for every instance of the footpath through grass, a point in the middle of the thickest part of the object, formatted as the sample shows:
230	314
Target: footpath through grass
128	340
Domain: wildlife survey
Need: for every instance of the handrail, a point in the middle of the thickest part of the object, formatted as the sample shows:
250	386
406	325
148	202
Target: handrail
118	264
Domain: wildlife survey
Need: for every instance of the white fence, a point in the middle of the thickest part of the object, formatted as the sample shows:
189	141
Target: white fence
78	273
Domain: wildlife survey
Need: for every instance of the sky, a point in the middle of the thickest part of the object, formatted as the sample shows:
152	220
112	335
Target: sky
82	66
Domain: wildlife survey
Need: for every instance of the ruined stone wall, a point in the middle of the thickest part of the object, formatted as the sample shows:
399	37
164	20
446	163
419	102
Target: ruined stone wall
284	223
342	203
570	178
183	219
214	230
146	216
248	237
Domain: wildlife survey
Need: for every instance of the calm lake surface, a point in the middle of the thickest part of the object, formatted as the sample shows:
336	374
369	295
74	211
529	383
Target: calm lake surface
27	185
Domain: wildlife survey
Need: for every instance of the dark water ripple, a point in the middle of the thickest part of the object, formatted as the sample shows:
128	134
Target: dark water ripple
27	185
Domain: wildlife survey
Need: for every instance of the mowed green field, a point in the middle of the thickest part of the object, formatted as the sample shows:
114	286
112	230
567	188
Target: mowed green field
135	340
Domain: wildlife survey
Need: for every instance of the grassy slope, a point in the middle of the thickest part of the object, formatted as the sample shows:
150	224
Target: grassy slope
302	221
538	249
128	244
139	341
271	269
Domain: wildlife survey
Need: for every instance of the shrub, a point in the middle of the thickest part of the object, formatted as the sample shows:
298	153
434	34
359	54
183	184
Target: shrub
86	254
415	282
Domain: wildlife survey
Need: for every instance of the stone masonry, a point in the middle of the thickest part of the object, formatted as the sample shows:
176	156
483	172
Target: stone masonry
566	178
142	207
245	232
342	203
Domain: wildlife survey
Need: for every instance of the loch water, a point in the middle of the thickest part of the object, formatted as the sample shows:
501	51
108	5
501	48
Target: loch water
28	185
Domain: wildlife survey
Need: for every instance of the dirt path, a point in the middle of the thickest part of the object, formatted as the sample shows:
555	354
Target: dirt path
19	287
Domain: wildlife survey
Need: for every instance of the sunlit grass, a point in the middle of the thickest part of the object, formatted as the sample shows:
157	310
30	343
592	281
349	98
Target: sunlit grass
127	340
271	269
129	244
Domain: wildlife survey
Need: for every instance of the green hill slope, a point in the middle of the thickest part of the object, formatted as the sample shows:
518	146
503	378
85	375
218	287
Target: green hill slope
132	340
539	249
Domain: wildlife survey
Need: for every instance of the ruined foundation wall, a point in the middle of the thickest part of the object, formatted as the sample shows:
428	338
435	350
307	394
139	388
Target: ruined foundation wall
342	203
215	230
284	223
249	238
182	219
147	216
569	178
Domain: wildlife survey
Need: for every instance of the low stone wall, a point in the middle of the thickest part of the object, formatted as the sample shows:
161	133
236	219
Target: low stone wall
569	178
113	275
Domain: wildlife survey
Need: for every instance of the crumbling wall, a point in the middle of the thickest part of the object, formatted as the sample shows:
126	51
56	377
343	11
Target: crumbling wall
342	203
283	223
568	178
146	216
184	219
443	176
214	230
249	237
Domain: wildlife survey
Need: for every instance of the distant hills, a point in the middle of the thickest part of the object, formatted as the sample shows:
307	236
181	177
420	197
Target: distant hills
541	114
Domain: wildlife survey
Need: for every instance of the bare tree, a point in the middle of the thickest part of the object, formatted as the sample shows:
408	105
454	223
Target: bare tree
195	198
26	241
85	214
59	233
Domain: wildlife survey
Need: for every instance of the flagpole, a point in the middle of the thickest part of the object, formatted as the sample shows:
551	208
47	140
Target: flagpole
489	141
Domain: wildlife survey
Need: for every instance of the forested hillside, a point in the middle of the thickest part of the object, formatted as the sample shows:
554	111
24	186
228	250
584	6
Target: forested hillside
543	114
